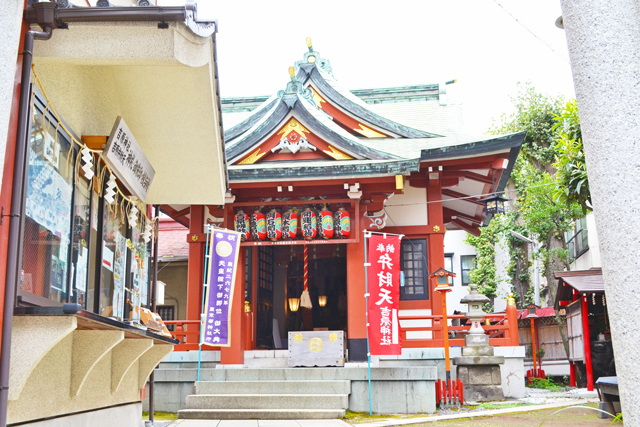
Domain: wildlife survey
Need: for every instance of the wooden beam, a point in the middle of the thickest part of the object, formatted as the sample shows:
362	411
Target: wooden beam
461	196
477	177
183	212
449	213
468	228
94	142
172	213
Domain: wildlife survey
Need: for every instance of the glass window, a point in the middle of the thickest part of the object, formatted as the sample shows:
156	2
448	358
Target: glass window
578	239
48	212
114	264
467	263
448	265
81	240
413	262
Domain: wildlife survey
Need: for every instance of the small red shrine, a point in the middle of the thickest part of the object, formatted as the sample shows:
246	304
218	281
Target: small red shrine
314	166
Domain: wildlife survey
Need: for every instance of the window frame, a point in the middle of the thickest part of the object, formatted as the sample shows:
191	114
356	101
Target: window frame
424	296
451	256
580	235
462	269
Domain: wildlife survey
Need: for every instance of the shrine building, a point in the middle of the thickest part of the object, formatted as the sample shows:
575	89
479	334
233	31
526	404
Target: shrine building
315	167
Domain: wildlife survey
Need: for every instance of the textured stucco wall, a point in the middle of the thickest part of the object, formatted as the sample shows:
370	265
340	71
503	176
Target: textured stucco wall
10	23
604	46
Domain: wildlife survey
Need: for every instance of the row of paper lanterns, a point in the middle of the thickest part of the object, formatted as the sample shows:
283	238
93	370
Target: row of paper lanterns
276	226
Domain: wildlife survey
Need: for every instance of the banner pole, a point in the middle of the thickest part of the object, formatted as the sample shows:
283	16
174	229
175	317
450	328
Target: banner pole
366	296
204	293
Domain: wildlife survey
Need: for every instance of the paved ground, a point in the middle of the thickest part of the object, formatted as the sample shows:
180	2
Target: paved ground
260	423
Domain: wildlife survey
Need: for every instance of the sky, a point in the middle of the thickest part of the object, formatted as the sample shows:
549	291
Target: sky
489	46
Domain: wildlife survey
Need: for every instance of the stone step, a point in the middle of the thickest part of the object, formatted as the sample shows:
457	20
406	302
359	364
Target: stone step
268	401
187	365
274	387
261	414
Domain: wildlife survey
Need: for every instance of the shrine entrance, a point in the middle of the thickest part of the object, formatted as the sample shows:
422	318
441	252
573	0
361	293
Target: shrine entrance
281	283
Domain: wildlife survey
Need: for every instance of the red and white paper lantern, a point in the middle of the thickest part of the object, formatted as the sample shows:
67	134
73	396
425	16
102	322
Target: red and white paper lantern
258	225
274	225
325	223
309	224
342	223
241	224
289	224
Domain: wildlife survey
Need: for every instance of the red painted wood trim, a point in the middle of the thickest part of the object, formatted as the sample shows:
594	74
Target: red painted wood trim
435	245
195	268
586	335
234	354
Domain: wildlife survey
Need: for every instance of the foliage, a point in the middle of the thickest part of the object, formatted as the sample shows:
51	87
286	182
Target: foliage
572	183
544	383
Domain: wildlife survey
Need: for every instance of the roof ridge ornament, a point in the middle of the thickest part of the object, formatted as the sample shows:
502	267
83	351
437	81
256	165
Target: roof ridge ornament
295	87
313	57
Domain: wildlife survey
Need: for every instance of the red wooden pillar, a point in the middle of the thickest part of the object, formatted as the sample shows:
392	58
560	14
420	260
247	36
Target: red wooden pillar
586	336
195	269
234	354
512	318
572	374
356	309
435	244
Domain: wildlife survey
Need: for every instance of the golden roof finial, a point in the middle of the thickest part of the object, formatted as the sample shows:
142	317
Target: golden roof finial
308	41
510	299
292	72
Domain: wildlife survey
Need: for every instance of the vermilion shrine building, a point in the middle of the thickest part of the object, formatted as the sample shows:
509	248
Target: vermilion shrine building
316	145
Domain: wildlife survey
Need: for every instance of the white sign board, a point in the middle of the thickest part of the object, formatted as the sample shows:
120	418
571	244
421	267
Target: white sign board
127	160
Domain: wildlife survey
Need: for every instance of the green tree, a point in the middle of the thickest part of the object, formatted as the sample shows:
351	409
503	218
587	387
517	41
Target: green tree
542	208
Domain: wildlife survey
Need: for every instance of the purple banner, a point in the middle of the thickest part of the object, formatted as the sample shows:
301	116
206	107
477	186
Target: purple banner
221	277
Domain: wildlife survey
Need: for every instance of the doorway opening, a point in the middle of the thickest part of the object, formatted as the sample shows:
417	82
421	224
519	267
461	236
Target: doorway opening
280	272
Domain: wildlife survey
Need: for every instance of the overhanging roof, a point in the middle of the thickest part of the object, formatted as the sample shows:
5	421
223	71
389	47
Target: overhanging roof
161	81
583	281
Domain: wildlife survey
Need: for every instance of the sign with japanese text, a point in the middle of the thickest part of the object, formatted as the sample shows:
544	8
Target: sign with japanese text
127	160
383	277
223	252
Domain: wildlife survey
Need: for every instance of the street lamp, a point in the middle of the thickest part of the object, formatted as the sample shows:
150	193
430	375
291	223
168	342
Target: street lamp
442	282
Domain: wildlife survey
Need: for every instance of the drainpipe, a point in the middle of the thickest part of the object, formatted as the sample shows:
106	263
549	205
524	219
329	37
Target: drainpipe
154	290
44	13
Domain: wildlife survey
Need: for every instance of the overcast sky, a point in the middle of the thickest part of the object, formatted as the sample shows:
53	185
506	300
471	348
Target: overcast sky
482	43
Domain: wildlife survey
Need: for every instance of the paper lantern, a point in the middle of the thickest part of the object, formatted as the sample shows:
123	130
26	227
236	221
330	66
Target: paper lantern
241	224
258	225
342	223
274	225
309	221
289	224
325	223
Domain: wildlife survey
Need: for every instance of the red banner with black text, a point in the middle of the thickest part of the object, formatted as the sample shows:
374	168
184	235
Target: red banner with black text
383	278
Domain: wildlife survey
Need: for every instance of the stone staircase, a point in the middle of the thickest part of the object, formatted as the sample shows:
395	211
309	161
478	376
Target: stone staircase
282	399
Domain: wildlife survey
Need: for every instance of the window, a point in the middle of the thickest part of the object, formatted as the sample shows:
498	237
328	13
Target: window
578	239
448	265
167	312
413	262
77	248
467	262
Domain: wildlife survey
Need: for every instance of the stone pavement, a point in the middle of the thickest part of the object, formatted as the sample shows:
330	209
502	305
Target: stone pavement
259	423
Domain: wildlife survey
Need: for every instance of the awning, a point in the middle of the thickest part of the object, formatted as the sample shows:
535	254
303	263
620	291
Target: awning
583	281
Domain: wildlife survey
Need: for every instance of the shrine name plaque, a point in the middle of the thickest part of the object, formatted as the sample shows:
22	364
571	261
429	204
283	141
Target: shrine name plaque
316	348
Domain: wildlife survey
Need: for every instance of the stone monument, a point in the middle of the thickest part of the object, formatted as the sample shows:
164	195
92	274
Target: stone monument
478	368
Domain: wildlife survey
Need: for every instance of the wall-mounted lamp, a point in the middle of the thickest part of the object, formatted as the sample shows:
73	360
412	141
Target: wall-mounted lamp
322	300
294	304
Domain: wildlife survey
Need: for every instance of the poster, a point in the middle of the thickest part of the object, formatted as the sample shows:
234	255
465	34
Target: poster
81	270
107	257
119	263
221	276
383	276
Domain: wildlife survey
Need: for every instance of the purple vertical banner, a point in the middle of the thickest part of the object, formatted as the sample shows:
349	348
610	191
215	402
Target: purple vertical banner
221	278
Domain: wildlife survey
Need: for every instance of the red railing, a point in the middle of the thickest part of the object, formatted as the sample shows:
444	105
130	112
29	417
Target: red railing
504	332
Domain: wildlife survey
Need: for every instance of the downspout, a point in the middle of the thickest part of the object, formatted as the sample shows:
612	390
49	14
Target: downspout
45	19
154	290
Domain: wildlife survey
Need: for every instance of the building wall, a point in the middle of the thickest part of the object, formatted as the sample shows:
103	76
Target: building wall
409	208
591	258
175	276
454	244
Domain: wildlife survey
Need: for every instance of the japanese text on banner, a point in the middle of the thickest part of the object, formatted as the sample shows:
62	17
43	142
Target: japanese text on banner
384	289
224	251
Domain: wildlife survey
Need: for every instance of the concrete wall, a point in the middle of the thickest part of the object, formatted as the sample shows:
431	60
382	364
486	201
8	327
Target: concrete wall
122	416
10	24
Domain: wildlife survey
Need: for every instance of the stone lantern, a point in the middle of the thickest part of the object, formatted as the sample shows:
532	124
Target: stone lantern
478	368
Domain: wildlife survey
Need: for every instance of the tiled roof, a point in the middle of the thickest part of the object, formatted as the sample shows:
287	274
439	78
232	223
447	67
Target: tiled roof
172	240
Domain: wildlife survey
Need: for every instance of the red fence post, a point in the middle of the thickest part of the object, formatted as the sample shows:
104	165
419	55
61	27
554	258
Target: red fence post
512	318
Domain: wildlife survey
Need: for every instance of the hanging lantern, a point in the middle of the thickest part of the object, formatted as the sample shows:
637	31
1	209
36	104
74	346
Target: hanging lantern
342	223
258	225
241	224
309	221
494	204
325	223
274	225
289	224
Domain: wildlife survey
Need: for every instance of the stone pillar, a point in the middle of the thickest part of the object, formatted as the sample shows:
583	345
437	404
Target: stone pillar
604	47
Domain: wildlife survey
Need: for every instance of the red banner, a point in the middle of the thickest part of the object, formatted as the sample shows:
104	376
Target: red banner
383	276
